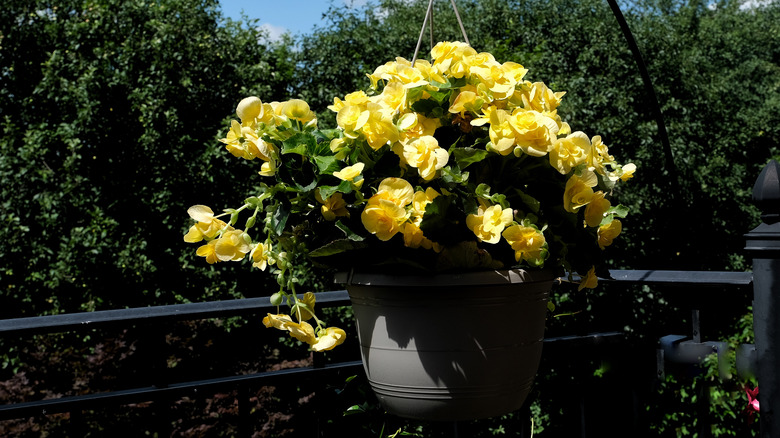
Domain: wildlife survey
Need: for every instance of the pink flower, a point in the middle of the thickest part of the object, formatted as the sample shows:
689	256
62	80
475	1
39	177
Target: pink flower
752	408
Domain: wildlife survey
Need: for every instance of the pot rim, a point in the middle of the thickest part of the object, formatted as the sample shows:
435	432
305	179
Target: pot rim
493	277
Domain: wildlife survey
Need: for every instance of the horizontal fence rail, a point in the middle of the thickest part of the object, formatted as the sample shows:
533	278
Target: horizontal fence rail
149	316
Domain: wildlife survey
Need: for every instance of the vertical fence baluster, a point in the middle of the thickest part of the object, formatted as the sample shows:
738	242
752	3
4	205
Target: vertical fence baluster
763	244
244	425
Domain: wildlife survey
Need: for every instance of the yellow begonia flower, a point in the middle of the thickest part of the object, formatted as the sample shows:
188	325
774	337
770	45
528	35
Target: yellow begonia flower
409	76
301	331
392	97
261	256
385	212
207	227
492	75
209	252
428	72
384	72
590	280
268	168
467	101
297	109
594	212
567	153
425	154
502	136
351	118
333	207
420	201
234	140
608	232
414	238
528	243
349	173
337	145
278	321
329	338
534	132
449	58
305	311
540	97
514	70
260	148
628	171
579	191
415	125
489	223
357	98
243	142
397	190
249	109
233	245
382	217
379	129
599	154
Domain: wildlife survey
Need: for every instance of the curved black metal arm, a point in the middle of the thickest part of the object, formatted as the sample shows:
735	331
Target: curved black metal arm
640	63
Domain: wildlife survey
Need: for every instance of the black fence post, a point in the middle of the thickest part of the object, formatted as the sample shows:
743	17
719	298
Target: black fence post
763	244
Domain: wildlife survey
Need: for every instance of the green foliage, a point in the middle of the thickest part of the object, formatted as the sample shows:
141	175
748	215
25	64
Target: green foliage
109	115
713	401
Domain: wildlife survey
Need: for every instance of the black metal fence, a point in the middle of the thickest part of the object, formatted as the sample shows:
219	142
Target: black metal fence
164	387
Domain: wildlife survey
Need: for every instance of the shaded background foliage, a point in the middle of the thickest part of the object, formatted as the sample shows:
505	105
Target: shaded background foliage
111	111
110	114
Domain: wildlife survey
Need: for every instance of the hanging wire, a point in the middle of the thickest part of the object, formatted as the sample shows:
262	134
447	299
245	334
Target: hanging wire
460	22
431	28
422	31
429	16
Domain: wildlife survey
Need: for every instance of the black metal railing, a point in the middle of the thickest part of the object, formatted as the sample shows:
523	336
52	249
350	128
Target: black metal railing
162	316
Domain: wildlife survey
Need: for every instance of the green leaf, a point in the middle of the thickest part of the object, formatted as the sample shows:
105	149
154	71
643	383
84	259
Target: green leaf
327	164
617	210
279	218
453	174
351	235
328	191
254	201
300	143
425	106
482	191
327	135
530	202
355	409
467	156
499	199
337	247
435	217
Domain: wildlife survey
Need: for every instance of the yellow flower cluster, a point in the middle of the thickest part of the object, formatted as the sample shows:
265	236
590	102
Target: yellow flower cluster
244	140
321	340
401	156
395	208
223	242
522	118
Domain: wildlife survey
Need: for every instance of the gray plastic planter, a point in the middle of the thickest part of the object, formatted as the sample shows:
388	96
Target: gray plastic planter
451	347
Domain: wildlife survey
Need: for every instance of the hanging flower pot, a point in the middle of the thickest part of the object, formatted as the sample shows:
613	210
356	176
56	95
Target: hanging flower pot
458	167
451	346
